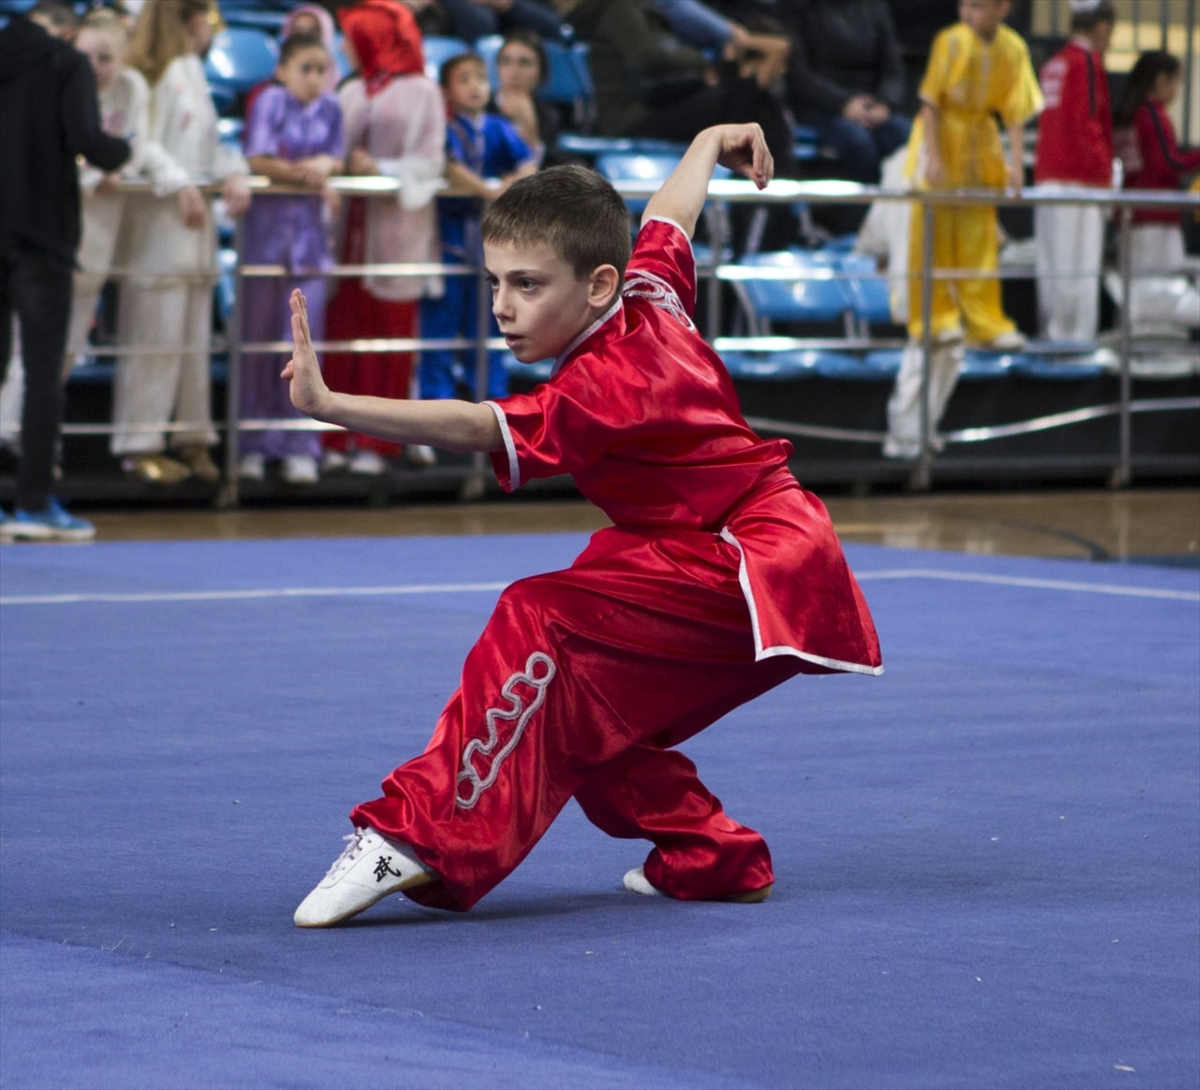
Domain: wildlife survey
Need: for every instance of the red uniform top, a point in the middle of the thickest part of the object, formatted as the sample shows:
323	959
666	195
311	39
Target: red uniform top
643	415
1152	159
1075	137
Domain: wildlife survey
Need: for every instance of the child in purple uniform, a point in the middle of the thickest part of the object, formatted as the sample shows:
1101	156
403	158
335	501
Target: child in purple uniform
294	135
484	156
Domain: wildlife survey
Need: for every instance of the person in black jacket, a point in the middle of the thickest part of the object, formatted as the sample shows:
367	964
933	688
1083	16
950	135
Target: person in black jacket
847	80
49	115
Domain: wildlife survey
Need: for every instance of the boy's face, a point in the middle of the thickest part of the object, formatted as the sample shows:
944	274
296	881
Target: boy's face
468	89
983	16
103	52
539	302
303	73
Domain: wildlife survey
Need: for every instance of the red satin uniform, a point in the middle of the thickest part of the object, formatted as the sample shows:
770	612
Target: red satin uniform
1075	138
719	579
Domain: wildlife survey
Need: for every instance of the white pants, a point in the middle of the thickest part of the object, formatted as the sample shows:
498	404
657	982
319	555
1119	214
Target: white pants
103	217
904	407
1163	303
164	326
1070	247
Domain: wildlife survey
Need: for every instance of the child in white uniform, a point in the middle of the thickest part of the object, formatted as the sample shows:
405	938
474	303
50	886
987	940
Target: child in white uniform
165	313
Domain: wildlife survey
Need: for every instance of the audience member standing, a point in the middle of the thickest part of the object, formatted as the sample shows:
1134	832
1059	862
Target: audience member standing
1074	151
124	111
484	156
164	322
521	68
1163	303
395	125
311	19
979	70
48	116
847	80
293	136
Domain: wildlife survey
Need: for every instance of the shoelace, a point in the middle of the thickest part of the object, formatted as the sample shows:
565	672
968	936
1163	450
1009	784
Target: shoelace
350	853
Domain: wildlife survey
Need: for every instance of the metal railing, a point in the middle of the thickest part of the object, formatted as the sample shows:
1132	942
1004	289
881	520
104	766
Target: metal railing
784	192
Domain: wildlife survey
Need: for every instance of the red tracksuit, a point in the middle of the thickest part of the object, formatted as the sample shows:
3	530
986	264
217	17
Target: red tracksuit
719	579
1153	159
1075	140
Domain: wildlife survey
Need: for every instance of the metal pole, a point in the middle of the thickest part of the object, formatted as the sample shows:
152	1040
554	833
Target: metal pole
923	476
1189	72
227	494
1124	460
474	485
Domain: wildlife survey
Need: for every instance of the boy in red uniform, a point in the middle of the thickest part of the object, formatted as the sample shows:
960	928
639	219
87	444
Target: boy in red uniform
719	579
1074	151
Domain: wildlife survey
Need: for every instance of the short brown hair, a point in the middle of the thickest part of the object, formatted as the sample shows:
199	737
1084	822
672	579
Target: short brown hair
570	208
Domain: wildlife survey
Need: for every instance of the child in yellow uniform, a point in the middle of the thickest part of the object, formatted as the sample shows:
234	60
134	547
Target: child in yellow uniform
979	69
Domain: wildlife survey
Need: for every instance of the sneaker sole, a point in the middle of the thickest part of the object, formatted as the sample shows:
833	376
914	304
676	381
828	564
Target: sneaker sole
409	883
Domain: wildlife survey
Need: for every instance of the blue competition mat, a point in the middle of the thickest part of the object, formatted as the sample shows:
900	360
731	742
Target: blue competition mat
987	860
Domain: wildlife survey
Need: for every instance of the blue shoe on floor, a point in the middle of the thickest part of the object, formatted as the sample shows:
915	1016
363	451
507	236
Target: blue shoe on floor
51	524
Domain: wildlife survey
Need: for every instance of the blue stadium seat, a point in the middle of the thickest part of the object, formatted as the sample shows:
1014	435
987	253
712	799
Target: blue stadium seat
978	363
771	367
869	294
569	82
438	50
241	57
534	372
815	294
651	167
488	47
591	147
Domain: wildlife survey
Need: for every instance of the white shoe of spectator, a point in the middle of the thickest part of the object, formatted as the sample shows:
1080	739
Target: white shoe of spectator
252	466
333	461
368	463
300	469
420	455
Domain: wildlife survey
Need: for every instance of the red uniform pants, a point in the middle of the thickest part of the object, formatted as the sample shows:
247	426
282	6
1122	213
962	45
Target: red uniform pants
580	682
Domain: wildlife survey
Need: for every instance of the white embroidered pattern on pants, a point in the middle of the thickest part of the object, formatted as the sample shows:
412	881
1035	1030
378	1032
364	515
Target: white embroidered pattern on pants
517	710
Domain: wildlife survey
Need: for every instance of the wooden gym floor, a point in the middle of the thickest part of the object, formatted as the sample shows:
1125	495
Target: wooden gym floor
1155	524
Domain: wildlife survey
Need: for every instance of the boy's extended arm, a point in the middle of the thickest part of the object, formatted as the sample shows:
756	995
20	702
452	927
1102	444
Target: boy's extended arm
451	425
741	148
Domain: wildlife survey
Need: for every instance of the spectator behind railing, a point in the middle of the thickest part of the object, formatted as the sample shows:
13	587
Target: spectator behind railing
311	19
124	111
484	156
395	125
1145	139
48	116
979	69
1074	151
164	323
521	68
293	135
650	83
847	80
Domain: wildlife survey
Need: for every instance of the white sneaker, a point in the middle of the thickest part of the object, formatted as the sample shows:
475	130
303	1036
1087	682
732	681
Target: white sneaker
1012	341
420	455
333	461
371	868
252	467
368	463
637	882
300	469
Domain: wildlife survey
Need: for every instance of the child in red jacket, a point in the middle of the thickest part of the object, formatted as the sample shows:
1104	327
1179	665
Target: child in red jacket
1074	152
1145	138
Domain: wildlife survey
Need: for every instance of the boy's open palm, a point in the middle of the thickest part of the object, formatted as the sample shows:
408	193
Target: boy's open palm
303	370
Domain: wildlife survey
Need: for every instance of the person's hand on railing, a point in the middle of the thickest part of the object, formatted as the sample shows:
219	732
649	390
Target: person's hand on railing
360	161
192	207
235	192
318	169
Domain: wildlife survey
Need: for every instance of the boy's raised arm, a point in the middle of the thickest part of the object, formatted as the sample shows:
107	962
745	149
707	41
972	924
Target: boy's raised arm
451	425
741	148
